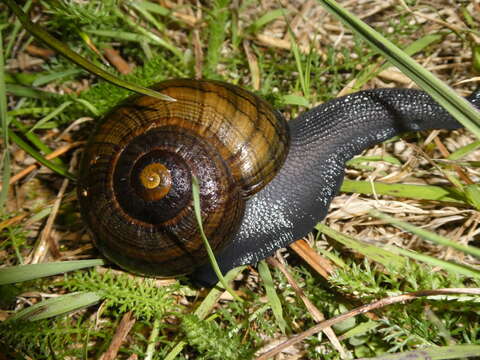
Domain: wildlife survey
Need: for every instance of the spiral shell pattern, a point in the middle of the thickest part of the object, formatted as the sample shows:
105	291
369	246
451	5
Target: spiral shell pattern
135	178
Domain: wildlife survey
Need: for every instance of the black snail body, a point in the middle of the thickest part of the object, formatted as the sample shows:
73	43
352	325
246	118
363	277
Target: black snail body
273	196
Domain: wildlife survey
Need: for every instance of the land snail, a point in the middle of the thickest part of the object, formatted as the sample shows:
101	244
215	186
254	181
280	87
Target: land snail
264	183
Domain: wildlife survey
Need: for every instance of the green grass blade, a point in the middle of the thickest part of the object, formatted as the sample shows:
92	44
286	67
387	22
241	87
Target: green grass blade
146	15
428	235
56	306
5	158
26	91
217	23
410	191
14	274
153	37
121	35
457	106
273	299
61	48
211	299
267	18
152	7
34	139
434	353
16	28
37	156
448	266
298	62
382	256
213	261
45	79
464	150
50	116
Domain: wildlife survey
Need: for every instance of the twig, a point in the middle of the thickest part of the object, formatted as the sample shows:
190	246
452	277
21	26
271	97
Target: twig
38	51
122	331
114	58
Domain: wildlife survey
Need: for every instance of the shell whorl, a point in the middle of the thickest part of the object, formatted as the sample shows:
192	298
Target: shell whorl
135	177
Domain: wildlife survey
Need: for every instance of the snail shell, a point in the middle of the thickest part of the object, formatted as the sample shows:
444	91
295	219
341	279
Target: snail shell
136	174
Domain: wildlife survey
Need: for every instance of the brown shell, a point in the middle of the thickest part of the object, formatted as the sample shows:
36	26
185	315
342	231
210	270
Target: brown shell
135	177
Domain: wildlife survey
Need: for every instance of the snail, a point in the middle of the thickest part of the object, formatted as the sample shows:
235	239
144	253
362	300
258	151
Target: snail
264	183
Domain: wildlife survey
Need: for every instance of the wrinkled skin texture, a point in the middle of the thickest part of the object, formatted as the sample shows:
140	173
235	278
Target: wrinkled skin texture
322	140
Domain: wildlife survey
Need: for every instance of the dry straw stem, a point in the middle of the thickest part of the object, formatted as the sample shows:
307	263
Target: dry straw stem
320	264
362	310
46	243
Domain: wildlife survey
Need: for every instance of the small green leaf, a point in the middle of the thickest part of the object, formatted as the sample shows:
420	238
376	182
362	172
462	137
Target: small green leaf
473	194
295	100
211	299
268	17
304	79
361	329
476	57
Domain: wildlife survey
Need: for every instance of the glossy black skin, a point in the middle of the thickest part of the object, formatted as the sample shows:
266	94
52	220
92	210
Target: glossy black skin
322	140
